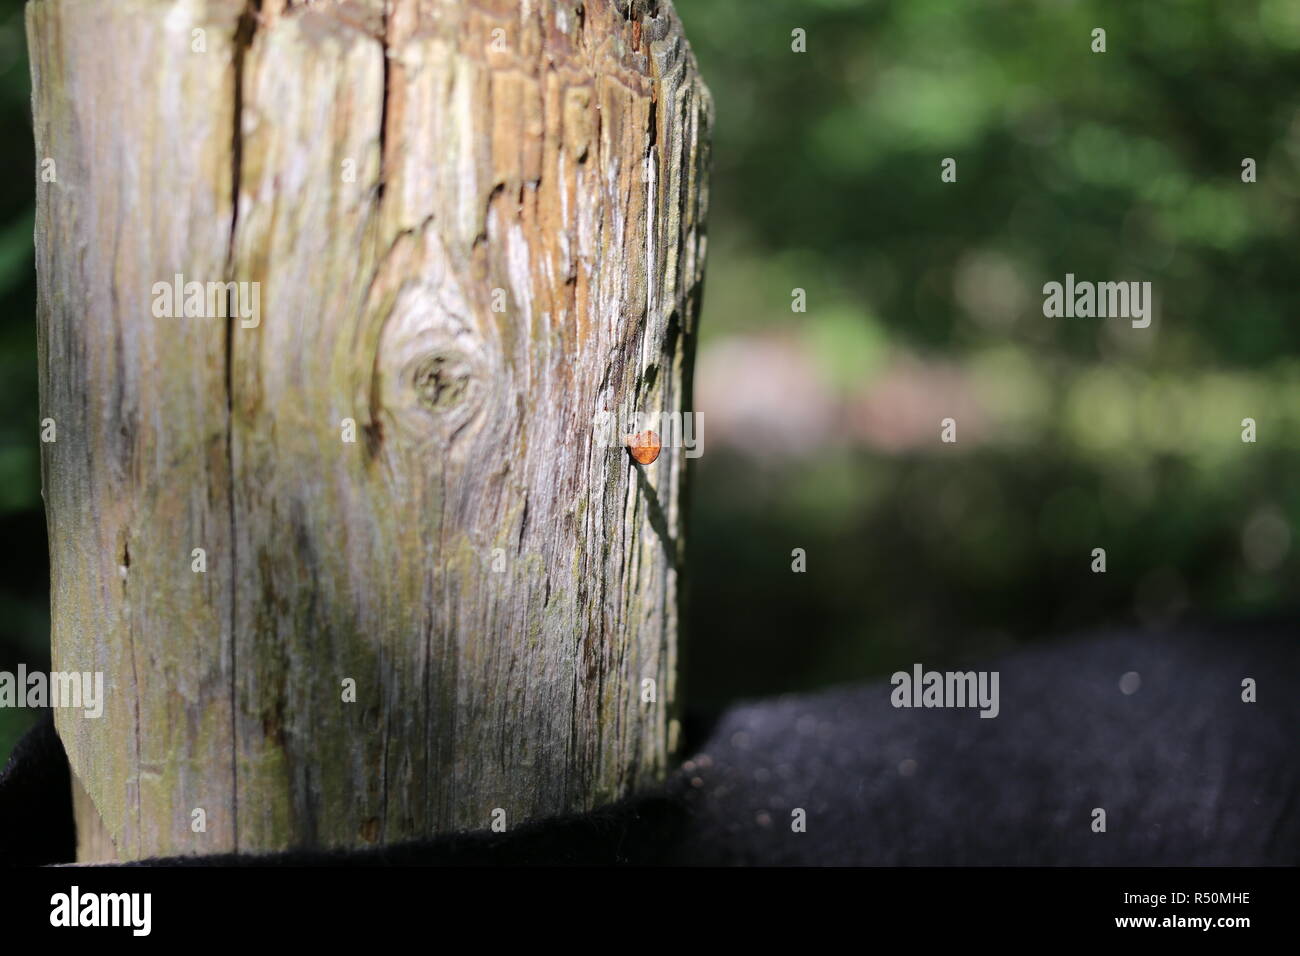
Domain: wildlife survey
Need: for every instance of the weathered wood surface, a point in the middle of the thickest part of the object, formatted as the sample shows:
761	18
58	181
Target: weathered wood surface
555	151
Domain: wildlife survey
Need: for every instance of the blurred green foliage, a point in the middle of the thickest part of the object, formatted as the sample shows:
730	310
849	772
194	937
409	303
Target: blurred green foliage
1121	165
24	582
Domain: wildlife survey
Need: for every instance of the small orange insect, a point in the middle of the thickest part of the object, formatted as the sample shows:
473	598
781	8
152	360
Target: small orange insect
644	446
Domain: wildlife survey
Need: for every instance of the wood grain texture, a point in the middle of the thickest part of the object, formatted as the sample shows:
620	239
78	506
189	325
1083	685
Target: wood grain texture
474	226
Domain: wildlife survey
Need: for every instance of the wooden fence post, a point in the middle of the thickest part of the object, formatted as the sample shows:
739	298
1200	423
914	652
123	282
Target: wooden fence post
332	297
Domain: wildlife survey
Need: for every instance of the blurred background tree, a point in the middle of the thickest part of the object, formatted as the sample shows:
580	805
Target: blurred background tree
924	302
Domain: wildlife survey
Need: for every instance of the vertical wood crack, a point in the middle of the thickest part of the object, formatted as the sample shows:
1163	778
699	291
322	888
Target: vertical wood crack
245	30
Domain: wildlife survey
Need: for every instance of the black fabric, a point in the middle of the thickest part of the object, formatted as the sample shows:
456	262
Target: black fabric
1186	771
36	825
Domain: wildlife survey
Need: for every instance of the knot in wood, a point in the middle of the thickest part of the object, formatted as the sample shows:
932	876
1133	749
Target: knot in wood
434	369
443	380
